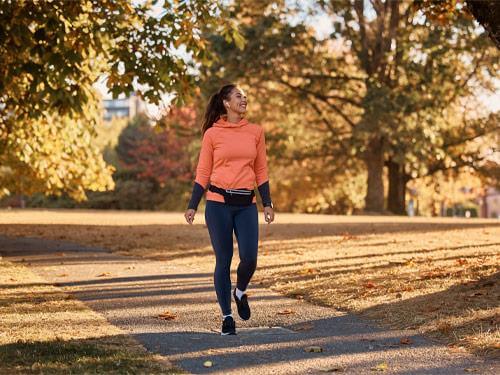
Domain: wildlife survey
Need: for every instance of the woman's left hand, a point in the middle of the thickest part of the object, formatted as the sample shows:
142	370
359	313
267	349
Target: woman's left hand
268	214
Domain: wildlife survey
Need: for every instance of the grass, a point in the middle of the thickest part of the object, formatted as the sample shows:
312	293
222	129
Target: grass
44	330
437	275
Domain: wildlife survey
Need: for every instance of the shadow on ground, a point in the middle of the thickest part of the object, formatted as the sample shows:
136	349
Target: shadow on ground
174	241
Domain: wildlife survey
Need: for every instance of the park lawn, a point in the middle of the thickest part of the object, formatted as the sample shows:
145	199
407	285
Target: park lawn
44	330
439	276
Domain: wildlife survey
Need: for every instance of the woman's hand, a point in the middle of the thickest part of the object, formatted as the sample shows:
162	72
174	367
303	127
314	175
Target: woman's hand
189	215
268	214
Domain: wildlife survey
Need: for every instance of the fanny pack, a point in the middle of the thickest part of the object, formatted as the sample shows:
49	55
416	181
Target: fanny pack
235	197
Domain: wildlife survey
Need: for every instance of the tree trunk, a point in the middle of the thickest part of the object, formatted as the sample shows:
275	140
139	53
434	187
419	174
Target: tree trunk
397	188
374	161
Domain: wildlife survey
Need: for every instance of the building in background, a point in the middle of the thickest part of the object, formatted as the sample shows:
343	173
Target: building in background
491	204
123	107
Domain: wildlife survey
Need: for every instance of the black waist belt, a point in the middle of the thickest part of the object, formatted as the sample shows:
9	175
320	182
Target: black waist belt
239	197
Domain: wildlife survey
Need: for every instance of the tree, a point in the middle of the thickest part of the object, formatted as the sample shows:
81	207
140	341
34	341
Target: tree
52	51
379	86
54	154
154	155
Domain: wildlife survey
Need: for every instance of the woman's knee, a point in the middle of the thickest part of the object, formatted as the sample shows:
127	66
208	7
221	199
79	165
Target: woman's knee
250	262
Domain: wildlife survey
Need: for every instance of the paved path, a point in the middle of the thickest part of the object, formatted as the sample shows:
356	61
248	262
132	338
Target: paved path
132	292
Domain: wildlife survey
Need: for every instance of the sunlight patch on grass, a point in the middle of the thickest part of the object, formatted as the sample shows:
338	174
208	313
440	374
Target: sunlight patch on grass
437	275
44	330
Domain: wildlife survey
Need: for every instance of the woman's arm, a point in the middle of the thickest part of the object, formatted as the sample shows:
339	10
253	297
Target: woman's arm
261	173
203	171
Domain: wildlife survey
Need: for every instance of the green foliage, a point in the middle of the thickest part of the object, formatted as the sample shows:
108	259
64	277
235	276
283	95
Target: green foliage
152	168
387	84
51	52
55	154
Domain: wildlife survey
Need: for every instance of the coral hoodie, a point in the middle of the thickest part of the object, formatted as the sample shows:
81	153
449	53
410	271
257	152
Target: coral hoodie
232	155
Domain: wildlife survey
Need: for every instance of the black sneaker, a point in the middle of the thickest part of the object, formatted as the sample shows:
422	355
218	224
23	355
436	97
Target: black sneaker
228	326
242	304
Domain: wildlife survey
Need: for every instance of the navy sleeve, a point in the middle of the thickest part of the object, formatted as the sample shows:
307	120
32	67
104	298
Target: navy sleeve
265	193
196	195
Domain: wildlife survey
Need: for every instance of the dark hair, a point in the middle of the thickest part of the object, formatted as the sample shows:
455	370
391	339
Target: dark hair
215	107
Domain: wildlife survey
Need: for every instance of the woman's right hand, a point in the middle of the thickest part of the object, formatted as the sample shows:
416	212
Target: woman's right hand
189	215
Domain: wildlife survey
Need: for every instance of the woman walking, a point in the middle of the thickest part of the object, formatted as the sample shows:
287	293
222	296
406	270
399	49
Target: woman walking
232	160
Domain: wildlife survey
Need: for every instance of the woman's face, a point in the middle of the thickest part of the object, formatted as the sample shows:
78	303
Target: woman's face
237	101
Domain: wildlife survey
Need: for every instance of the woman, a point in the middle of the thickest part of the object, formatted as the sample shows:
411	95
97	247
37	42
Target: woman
232	159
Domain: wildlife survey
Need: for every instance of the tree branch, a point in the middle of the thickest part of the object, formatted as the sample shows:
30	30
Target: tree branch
469	77
458	164
320	97
327	123
359	8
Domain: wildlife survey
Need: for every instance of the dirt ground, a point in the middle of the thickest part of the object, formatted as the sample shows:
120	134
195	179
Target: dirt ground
437	275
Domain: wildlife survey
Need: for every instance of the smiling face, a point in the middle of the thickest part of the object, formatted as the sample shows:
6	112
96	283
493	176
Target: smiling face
237	102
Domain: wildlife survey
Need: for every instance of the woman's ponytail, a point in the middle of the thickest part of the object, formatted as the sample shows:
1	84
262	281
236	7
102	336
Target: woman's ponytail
215	107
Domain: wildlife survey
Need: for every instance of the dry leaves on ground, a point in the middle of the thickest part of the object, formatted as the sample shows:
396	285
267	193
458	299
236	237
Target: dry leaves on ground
167	315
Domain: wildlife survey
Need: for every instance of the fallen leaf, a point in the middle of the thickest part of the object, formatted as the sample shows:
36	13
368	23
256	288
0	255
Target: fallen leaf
285	312
405	341
313	349
208	363
409	262
307	271
380	367
369	284
104	274
167	315
461	261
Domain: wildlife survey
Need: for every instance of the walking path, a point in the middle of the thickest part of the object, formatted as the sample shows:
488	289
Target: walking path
131	293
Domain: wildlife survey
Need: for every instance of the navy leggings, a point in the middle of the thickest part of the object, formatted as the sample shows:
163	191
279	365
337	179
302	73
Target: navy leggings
221	220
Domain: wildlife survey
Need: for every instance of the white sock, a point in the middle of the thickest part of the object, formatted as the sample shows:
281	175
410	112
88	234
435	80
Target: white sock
225	316
239	293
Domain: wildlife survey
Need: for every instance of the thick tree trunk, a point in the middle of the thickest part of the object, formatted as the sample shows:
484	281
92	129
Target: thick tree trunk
397	188
374	161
